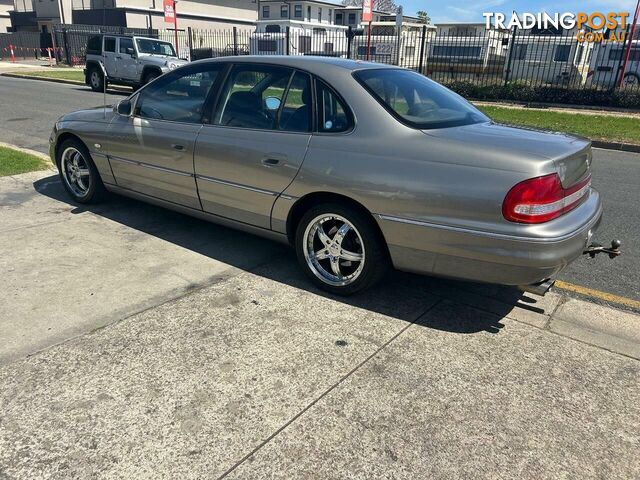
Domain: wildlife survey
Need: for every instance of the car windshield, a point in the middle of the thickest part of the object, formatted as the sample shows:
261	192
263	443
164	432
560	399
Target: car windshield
417	101
155	47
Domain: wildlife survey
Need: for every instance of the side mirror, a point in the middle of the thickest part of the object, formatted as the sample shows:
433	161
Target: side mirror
124	107
131	51
272	103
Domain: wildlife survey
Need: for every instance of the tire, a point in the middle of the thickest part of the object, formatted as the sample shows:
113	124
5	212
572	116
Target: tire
360	237
96	79
78	173
150	77
631	80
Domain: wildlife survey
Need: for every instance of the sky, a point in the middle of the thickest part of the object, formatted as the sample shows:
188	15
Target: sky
471	11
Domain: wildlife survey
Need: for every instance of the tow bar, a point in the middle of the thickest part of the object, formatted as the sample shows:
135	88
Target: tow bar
595	248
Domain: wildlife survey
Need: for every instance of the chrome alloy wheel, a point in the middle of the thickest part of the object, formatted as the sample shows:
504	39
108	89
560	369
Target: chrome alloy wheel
334	250
75	171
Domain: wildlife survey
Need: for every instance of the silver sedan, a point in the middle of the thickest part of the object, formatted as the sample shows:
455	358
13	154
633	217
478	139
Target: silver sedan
359	166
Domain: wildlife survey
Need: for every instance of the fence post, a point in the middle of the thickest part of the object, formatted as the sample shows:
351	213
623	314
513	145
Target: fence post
67	50
422	45
190	42
288	40
511	48
235	41
619	72
349	38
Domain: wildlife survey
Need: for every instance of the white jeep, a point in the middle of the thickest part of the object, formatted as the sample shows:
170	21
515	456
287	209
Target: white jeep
127	60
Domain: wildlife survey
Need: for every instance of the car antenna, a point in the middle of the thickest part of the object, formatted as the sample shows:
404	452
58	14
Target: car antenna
104	85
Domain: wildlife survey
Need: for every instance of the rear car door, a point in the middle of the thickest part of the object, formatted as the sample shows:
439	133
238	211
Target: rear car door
255	142
151	151
109	54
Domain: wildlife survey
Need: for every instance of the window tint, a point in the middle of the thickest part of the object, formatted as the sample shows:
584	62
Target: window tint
243	100
562	53
295	114
178	96
418	101
332	113
109	44
124	44
94	45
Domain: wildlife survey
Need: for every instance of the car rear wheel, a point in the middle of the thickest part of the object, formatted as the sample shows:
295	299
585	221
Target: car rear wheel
96	80
78	173
340	249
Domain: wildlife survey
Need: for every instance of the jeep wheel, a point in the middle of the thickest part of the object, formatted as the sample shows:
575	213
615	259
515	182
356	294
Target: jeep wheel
150	77
96	80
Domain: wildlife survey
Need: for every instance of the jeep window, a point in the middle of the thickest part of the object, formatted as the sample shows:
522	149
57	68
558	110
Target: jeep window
109	44
124	44
178	96
94	45
416	101
155	47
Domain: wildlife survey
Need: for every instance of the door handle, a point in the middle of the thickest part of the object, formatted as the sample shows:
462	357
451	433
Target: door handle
178	147
271	162
118	57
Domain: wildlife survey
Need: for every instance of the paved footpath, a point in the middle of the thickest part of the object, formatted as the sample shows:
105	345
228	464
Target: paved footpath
138	343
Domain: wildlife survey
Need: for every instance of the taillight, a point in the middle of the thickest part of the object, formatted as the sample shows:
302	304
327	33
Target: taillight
541	199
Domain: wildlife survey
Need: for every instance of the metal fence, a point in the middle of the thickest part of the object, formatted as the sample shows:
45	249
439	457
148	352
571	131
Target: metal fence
475	62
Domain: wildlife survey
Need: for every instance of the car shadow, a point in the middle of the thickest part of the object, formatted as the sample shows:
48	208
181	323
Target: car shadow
483	306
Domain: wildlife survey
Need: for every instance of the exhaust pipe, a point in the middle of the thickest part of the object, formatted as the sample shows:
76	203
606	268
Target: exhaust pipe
538	288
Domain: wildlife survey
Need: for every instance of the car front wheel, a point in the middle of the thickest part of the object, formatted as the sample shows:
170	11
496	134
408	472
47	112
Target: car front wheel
340	249
78	173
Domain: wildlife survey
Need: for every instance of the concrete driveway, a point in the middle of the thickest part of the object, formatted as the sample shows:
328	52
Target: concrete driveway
139	343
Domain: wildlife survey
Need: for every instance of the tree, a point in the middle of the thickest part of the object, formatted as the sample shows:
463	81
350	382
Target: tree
386	6
423	17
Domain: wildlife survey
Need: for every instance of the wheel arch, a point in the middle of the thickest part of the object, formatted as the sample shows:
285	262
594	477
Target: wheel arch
63	137
316	198
148	69
91	64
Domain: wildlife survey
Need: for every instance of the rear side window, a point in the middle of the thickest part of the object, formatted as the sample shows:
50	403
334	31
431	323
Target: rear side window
109	44
417	101
333	115
94	45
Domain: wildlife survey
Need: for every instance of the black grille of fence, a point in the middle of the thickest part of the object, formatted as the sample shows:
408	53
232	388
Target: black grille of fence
480	63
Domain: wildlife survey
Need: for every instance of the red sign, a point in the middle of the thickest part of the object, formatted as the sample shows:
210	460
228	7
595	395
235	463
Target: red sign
367	10
169	11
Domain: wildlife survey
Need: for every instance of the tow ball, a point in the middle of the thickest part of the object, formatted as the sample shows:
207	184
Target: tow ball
595	248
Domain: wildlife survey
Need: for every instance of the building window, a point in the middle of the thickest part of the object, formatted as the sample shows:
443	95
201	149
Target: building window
265	11
338	19
330	13
319	14
562	53
352	19
309	13
520	51
297	11
284	11
304	44
272	29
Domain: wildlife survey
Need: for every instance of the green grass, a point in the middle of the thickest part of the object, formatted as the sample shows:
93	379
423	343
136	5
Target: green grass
13	162
596	127
71	74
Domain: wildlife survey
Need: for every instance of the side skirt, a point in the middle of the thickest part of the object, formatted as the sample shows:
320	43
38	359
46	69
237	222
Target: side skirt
208	217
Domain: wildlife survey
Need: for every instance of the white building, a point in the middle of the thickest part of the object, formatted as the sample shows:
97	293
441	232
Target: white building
41	15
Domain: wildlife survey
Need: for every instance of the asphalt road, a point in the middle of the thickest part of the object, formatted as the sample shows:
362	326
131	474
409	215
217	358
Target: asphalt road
29	109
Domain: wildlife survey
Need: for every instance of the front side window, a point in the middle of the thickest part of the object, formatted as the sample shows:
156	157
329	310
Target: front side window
109	44
333	116
155	47
249	96
417	101
178	96
125	43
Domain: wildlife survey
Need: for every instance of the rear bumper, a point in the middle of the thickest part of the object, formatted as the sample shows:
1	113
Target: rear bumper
487	257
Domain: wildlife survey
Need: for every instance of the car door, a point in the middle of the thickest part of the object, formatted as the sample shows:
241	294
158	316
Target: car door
255	142
127	59
151	151
109	54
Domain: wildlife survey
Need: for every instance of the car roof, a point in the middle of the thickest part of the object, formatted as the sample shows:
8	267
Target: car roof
309	62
